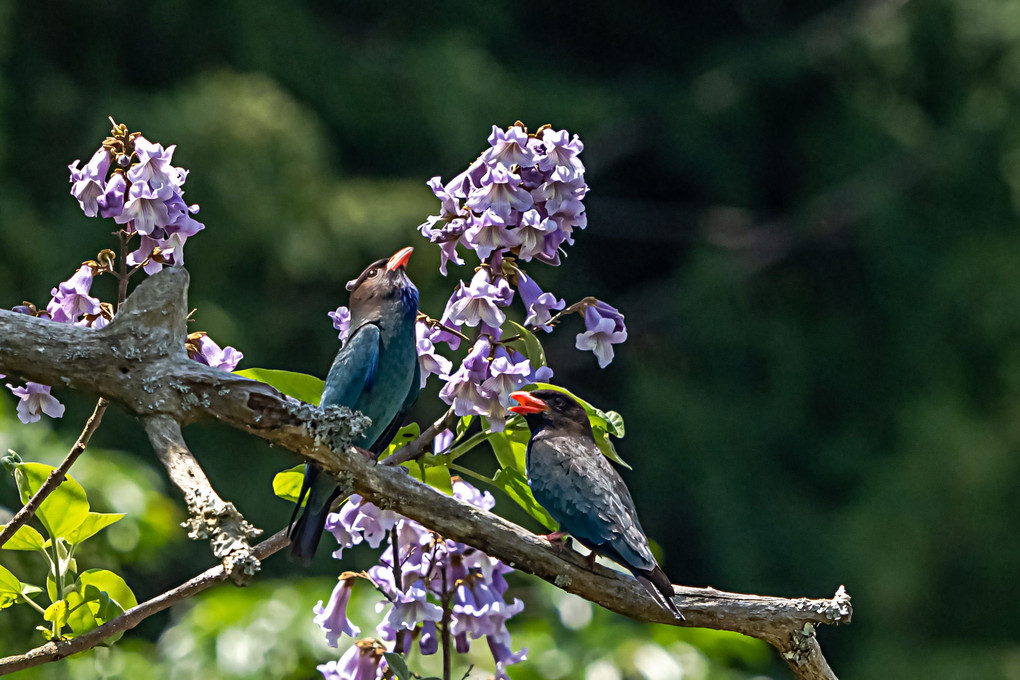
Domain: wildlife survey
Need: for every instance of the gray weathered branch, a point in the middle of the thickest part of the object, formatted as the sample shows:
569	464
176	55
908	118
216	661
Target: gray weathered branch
137	363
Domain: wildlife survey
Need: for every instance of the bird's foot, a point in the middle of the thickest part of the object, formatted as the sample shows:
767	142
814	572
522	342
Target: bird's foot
591	557
556	540
366	453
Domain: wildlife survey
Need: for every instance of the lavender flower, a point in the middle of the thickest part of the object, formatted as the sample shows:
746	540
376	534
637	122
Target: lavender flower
71	299
333	617
428	360
533	234
480	301
461	390
88	184
605	328
509	147
34	400
342	322
363	661
489	233
204	350
500	192
539	304
373	523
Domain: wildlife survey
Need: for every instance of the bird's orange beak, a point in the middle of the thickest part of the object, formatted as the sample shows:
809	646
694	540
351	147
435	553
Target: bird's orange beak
527	404
399	259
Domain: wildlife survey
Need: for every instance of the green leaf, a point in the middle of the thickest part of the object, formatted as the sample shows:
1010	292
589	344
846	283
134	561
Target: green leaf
110	583
462	426
404	436
514	484
93	524
602	422
301	386
10	588
529	345
28	589
64	509
436	474
397	664
56	613
287	484
510	452
25	538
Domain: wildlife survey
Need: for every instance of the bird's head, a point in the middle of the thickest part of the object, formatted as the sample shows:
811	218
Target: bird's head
384	282
543	408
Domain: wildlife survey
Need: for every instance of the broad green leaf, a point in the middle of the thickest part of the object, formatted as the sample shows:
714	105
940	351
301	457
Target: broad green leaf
436	475
404	436
10	588
91	606
287	484
56	613
93	524
110	583
510	451
301	386
25	538
602	422
529	345
396	663
514	484
64	509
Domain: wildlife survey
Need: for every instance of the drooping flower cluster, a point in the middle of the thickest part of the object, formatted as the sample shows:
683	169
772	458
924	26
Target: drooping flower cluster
519	201
144	192
132	181
426	581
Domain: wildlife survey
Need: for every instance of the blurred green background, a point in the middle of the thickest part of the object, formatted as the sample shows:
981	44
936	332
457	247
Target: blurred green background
806	210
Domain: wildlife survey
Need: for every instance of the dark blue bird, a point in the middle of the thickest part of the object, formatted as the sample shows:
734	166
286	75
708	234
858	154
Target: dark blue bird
571	478
375	372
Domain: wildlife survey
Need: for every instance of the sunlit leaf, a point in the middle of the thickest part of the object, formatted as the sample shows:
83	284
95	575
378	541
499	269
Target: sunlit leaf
515	485
64	509
25	538
404	436
301	386
287	484
437	476
10	588
93	524
56	613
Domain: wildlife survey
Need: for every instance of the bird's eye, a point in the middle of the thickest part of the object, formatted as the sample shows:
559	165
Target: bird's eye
372	272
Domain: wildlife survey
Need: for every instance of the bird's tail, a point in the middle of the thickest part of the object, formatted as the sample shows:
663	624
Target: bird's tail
307	523
658	586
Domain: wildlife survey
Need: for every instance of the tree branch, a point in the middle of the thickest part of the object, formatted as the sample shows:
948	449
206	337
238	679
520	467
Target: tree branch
416	449
139	362
211	517
58	649
28	510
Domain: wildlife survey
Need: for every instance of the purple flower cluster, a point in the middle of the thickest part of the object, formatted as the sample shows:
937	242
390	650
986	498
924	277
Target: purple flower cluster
519	201
430	572
522	195
146	196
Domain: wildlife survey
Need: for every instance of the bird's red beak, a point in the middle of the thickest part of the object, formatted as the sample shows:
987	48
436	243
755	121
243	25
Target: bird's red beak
399	259
527	404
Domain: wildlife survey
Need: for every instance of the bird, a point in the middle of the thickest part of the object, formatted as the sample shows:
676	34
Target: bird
375	372
571	478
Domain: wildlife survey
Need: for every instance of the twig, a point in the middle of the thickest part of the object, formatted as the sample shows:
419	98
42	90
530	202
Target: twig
58	649
436	323
398	585
558	316
29	509
446	625
416	449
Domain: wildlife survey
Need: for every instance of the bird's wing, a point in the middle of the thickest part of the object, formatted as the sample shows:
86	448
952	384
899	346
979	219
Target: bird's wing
597	506
354	369
412	396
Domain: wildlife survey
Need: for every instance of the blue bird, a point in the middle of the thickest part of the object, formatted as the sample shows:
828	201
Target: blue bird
571	478
376	372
